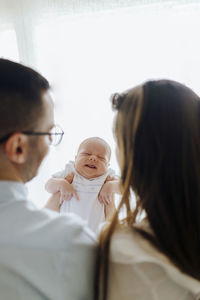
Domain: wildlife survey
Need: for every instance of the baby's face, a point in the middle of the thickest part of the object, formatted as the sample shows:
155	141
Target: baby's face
92	159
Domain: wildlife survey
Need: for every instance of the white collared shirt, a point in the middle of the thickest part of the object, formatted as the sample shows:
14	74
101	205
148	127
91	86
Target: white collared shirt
138	271
42	255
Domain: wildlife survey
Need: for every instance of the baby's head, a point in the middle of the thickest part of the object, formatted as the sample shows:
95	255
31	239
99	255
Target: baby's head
93	157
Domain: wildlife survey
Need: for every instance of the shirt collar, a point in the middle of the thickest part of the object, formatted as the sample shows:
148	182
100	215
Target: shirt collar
12	189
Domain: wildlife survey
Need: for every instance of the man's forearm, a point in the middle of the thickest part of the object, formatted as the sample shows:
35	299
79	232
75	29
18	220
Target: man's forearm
54	202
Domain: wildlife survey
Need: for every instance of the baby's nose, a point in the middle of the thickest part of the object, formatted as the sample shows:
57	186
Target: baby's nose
93	157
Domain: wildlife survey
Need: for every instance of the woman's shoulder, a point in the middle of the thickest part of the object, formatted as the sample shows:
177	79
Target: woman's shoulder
129	247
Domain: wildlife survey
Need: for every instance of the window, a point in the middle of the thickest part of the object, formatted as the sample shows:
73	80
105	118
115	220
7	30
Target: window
88	56
8	44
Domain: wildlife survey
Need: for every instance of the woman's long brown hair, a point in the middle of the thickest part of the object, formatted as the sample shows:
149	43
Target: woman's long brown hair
157	128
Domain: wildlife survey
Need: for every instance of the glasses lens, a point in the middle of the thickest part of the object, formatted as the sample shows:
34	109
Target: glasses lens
56	135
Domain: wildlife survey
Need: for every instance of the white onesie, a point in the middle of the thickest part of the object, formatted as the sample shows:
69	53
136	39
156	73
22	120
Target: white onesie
88	206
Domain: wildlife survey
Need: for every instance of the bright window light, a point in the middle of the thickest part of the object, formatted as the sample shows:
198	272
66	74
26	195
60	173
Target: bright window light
86	58
8	45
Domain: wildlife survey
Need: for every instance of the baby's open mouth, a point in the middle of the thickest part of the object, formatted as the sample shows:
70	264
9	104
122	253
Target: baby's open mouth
91	166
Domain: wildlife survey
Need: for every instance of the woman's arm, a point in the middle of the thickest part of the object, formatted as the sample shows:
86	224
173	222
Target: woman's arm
115	183
109	209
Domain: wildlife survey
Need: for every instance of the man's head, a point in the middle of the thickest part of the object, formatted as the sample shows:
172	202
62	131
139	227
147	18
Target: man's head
93	157
25	106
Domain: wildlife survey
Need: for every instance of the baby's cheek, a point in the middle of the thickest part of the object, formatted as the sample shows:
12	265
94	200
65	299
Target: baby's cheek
103	168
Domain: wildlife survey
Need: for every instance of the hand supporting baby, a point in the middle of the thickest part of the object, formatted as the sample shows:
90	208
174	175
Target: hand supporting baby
67	190
63	187
108	189
63	190
105	195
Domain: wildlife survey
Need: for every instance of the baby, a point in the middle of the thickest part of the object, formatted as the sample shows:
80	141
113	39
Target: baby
87	185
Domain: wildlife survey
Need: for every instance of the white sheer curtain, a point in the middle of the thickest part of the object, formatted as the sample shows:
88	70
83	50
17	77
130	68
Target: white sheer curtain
90	49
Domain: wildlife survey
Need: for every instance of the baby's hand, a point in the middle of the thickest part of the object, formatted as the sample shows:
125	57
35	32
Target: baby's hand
106	193
67	191
70	178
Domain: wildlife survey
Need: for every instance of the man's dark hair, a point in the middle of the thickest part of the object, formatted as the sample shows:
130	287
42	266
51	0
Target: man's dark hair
21	89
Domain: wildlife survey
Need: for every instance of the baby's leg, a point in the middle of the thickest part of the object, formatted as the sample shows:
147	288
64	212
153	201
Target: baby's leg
54	202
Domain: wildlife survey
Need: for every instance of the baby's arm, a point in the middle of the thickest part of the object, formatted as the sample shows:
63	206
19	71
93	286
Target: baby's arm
106	195
54	185
110	187
61	189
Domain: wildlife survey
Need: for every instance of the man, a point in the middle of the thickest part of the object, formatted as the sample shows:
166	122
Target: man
42	255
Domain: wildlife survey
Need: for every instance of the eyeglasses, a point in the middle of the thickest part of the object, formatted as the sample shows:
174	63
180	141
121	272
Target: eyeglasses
55	135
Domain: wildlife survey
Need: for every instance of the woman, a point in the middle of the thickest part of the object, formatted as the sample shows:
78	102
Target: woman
157	129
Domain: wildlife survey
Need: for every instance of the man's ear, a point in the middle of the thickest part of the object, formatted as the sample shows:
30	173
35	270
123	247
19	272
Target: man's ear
16	148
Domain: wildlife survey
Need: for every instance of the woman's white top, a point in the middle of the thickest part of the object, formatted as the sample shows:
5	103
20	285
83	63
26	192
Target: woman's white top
138	271
88	207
